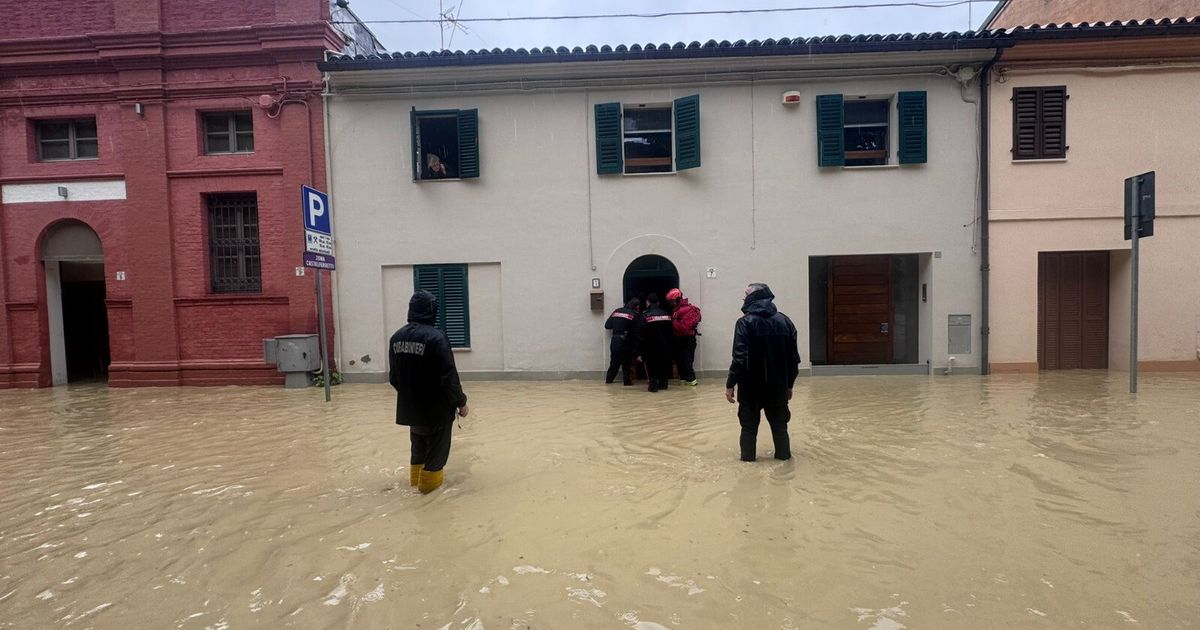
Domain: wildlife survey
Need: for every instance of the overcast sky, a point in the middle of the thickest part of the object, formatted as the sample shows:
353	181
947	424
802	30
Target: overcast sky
404	37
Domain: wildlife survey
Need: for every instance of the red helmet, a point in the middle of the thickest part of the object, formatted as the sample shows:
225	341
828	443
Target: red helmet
674	294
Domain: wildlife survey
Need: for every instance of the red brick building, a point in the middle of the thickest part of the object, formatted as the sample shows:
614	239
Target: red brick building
151	158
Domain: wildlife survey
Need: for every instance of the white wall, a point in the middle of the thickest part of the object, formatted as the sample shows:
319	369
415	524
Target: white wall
756	209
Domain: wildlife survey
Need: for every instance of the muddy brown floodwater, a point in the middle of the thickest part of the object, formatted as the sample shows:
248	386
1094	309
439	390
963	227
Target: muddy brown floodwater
1049	501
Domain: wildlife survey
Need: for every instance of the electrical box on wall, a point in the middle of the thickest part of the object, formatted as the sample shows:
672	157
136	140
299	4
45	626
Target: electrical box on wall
598	301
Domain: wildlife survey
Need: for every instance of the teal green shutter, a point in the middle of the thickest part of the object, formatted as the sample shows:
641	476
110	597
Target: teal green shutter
913	114
831	138
687	132
449	284
610	158
456	312
415	147
468	143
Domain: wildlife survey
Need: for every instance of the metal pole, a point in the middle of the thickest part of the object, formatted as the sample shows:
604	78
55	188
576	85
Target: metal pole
1136	212
321	331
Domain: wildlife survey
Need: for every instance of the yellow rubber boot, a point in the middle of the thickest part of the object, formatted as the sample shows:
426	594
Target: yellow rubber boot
414	474
430	481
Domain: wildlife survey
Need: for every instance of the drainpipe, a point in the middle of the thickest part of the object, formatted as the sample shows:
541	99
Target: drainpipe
985	78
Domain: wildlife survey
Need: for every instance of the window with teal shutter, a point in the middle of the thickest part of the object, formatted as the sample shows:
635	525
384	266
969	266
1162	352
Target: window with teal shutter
687	132
831	147
912	110
468	143
449	284
609	152
445	144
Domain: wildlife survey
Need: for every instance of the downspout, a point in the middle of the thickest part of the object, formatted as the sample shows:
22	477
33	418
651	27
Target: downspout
985	79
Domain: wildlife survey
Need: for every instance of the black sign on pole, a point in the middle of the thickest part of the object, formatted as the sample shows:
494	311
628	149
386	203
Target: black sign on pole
1145	205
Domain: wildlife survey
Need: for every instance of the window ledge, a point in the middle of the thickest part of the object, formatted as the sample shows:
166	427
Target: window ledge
438	179
879	167
1040	161
649	174
460	349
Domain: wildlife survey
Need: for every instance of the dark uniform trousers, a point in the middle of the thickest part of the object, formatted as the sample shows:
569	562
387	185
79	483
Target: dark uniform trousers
622	353
430	446
778	415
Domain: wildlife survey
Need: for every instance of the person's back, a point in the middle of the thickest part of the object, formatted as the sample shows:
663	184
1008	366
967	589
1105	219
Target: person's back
656	336
766	362
428	391
623	323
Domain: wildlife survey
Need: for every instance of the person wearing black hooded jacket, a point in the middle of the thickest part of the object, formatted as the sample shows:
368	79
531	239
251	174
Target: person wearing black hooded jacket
428	391
766	361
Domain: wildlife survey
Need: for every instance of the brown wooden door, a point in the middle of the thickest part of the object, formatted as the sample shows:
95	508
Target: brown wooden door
1073	310
860	310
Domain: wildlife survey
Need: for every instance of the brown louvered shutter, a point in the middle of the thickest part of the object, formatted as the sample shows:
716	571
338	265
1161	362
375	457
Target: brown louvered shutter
1053	133
1095	310
1039	123
1025	124
1070	309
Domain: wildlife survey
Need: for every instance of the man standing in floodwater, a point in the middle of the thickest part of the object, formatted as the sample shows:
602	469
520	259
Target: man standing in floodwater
655	337
428	392
765	364
623	323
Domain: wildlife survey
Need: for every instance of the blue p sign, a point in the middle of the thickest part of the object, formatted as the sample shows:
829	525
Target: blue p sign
316	210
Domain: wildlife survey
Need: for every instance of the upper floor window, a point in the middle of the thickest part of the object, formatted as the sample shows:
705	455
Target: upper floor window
860	130
67	139
445	144
233	245
228	132
648	138
1039	123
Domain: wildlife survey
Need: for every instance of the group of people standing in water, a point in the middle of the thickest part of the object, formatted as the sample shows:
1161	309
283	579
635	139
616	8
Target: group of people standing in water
659	337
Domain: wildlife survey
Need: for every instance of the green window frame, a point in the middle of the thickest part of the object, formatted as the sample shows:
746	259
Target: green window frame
912	134
449	284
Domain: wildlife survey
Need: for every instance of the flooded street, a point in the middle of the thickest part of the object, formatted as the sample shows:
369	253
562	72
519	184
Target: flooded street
1012	502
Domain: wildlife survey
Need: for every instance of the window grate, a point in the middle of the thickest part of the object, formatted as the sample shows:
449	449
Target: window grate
234	244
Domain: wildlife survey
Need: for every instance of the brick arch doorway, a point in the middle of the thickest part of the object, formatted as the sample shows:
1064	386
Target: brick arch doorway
76	314
649	274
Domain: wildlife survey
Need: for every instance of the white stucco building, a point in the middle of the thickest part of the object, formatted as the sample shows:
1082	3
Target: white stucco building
843	172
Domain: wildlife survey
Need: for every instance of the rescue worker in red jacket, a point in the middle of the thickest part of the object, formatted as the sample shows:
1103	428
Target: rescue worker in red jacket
685	318
655	339
623	323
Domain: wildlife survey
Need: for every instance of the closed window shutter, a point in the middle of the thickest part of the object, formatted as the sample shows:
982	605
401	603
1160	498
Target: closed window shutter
1053	107
1025	124
468	143
913	113
831	139
454	306
687	132
609	152
449	284
415	147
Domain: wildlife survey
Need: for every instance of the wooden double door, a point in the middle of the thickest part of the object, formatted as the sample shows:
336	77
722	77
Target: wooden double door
1073	310
860	326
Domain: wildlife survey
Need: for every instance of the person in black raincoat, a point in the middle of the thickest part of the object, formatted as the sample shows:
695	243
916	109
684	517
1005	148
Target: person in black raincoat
624	323
766	361
428	392
656	338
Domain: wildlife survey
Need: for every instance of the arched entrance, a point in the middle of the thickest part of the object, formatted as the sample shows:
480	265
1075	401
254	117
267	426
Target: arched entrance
75	293
649	274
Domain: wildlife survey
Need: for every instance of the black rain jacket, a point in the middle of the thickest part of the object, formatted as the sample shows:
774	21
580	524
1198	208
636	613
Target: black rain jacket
766	359
421	368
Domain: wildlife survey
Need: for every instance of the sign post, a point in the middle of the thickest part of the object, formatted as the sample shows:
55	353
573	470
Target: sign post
318	254
1139	222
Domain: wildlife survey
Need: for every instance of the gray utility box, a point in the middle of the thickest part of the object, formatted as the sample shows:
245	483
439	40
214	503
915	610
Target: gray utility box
297	356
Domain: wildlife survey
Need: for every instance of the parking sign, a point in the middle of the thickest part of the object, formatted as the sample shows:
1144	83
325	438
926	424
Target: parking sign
318	233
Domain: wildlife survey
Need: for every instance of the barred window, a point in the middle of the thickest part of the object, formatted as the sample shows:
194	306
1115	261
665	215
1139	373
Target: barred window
233	243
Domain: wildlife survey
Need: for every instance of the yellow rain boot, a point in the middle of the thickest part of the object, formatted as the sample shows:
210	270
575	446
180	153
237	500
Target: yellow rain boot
414	474
430	481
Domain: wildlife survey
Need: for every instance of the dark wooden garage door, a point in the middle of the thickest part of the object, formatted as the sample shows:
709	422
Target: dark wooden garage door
860	310
1073	310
